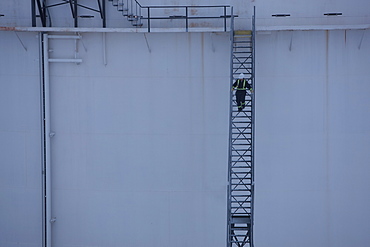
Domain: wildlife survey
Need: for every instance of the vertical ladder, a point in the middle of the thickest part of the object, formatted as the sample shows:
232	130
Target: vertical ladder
241	145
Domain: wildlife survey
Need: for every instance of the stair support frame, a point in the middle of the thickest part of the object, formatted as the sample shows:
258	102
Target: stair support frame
241	143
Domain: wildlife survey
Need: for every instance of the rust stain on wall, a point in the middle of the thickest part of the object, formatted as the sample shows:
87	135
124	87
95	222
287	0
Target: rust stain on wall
8	29
200	24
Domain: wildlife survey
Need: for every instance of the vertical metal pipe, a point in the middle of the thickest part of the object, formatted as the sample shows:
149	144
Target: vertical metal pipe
47	133
42	123
104	49
230	130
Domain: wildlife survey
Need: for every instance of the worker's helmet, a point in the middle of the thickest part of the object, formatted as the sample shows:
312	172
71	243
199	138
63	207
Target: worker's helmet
241	76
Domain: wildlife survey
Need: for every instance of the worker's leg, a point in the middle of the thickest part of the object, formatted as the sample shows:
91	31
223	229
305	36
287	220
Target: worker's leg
242	101
239	98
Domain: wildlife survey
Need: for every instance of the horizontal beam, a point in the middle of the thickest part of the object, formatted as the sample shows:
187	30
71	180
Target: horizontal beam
64	37
112	30
260	29
65	60
312	28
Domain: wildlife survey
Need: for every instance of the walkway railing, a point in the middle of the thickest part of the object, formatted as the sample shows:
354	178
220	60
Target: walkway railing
185	13
181	16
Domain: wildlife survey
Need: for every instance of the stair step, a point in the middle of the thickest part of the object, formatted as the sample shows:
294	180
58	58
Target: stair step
242	41
244	46
240	242
243	32
237	112
120	7
137	24
243	167
238	63
243	57
242	150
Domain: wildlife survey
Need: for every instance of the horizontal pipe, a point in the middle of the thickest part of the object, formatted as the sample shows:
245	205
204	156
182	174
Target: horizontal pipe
64	37
65	60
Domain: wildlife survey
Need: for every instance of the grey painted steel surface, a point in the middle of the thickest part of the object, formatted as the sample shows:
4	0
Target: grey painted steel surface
313	136
312	128
20	141
105	189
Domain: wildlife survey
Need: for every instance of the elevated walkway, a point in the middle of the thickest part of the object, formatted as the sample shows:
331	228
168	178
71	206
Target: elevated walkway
182	18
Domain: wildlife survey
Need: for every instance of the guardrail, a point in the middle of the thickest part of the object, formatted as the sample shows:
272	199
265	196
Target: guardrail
183	12
139	15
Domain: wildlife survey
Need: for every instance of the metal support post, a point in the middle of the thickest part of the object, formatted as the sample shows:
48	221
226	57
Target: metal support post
186	19
33	13
75	13
103	14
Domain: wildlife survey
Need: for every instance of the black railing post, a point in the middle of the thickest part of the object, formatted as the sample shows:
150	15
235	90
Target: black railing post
148	19
33	11
42	13
186	19
225	18
103	14
76	14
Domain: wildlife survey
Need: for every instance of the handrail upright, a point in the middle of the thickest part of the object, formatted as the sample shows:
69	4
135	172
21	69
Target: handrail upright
228	240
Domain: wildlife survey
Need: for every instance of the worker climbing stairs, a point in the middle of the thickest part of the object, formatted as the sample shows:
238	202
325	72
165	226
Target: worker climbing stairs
241	146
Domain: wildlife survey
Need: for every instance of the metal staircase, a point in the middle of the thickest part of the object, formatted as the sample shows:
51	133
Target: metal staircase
137	13
241	145
131	9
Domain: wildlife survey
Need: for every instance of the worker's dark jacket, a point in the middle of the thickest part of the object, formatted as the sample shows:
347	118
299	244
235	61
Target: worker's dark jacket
241	84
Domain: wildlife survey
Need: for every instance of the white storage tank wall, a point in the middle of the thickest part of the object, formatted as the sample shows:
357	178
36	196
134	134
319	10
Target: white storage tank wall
140	149
20	141
312	139
312	135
